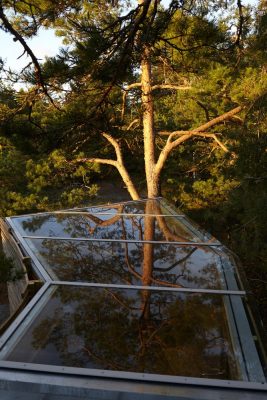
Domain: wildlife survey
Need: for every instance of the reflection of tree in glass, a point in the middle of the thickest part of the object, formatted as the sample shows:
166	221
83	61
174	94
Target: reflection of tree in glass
105	226
131	263
107	329
132	330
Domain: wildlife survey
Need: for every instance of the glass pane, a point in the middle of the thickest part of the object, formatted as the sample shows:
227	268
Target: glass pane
130	263
117	227
131	330
134	207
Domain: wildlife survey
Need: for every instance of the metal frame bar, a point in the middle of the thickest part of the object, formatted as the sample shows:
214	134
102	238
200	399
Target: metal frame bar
120	214
190	225
23	314
152	288
136	376
81	208
82	239
37	266
249	350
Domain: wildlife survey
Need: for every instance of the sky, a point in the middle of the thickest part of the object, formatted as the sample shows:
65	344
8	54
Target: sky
44	44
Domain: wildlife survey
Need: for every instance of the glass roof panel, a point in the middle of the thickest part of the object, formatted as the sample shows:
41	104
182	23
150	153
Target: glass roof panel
118	227
131	207
145	331
130	263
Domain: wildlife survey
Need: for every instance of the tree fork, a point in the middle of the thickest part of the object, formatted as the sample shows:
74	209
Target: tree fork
119	164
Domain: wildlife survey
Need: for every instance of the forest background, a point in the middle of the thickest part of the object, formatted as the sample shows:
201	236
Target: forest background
168	99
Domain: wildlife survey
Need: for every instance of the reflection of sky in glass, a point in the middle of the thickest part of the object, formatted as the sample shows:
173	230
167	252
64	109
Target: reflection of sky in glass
119	227
127	263
120	222
130	330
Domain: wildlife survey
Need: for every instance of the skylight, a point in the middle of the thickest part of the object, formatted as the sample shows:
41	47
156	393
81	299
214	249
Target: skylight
134	291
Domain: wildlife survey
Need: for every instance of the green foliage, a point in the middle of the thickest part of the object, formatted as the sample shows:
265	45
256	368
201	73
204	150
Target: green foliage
8	271
208	193
53	182
195	44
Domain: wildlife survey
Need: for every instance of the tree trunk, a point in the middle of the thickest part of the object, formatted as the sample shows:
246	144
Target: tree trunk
148	125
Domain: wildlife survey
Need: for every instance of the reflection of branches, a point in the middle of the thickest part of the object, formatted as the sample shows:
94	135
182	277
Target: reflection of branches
130	267
117	298
108	222
170	236
140	277
144	343
138	225
103	361
177	262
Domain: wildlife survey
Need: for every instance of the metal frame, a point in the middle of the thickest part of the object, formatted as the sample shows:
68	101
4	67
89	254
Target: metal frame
14	326
41	299
82	208
82	239
135	376
151	288
114	213
191	226
234	308
38	267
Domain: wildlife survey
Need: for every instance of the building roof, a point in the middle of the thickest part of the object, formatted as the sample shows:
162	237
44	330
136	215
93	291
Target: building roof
134	296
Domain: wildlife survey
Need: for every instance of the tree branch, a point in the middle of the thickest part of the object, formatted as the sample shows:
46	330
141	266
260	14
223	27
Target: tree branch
185	135
213	136
37	69
135	121
96	160
124	95
219	119
137	85
115	145
170	86
119	164
193	133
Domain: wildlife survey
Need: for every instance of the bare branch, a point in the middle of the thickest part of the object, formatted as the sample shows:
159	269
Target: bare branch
213	136
170	86
135	121
138	85
119	164
133	86
115	144
95	160
193	133
124	95
217	120
205	109
185	135
38	72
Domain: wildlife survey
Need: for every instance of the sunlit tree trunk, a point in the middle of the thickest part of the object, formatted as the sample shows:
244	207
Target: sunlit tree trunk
148	122
148	125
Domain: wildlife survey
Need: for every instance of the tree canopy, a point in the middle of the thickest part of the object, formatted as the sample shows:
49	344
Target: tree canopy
171	98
